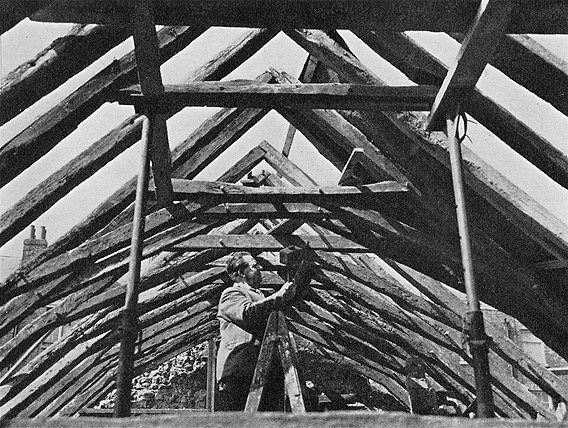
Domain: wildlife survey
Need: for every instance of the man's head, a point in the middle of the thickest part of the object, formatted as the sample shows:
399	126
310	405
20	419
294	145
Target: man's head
243	268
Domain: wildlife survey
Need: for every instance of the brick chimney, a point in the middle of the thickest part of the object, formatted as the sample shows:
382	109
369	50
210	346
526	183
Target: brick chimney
34	246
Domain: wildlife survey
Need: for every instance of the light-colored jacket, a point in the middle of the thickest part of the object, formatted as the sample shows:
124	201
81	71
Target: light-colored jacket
242	315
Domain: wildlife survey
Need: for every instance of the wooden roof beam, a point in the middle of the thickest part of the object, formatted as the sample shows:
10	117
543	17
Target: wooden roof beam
480	43
269	243
529	63
61	60
539	227
50	128
502	346
343	133
533	66
242	93
419	336
230	193
531	16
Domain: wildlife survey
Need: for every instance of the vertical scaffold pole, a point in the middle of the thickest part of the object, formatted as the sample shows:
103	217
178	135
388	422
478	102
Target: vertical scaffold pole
478	340
129	313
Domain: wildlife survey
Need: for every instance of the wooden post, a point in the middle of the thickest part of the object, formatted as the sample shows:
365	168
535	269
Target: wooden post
130	316
211	378
477	340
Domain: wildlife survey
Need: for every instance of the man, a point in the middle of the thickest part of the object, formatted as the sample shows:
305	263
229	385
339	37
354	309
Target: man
243	313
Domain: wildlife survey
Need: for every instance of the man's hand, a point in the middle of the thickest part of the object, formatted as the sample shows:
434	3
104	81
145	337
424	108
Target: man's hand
286	293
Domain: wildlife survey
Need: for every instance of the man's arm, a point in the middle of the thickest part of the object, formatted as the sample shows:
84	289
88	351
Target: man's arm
235	306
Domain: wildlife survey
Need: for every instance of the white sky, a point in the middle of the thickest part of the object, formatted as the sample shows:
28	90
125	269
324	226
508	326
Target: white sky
27	38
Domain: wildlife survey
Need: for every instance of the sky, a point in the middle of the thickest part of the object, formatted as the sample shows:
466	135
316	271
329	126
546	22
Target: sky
27	38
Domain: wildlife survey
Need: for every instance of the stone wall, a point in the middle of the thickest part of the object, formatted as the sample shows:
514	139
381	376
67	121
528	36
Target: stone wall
180	383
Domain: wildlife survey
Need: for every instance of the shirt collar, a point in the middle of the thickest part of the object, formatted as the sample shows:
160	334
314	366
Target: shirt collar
245	286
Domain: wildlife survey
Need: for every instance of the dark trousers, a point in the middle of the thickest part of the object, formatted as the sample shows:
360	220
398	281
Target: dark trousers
233	392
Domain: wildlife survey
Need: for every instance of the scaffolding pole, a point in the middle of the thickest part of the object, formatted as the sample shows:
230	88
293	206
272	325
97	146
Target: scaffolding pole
477	340
129	328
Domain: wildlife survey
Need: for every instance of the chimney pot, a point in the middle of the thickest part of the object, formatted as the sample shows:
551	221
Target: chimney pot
43	232
32	232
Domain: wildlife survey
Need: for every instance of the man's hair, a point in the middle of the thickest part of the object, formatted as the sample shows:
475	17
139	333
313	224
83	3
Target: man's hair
237	263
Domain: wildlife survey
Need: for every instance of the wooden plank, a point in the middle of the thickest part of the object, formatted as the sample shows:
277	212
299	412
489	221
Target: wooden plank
240	93
260	420
269	243
211	379
531	16
187	189
480	43
62	59
288	351
263	364
151	87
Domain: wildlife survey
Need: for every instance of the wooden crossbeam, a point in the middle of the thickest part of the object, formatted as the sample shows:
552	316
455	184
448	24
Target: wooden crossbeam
531	16
148	62
480	43
246	93
269	243
230	193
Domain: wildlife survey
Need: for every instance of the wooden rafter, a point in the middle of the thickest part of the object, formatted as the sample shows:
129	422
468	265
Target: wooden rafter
423	68
50	128
476	51
54	65
359	316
